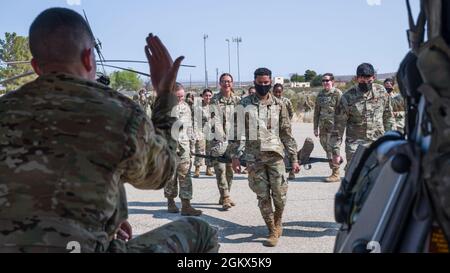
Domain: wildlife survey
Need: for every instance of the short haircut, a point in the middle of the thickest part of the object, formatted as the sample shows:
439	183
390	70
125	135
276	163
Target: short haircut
365	70
59	35
224	75
251	87
278	85
329	75
389	80
263	72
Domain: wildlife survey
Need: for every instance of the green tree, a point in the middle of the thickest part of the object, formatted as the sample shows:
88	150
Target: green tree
297	78
125	81
309	75
14	48
316	81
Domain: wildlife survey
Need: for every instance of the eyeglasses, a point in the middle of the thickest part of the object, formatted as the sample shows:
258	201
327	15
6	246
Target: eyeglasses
226	81
326	80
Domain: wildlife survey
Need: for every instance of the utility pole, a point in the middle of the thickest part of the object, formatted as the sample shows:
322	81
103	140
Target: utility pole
205	36
217	78
238	40
229	57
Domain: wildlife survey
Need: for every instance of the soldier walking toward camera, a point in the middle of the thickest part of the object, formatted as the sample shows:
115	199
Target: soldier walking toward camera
222	108
203	143
278	93
398	106
326	103
364	112
183	174
264	152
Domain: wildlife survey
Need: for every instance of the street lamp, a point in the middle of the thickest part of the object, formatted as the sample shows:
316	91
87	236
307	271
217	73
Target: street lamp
229	59
238	40
205	36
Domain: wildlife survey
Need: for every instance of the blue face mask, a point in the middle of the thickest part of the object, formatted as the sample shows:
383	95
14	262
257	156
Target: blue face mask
262	90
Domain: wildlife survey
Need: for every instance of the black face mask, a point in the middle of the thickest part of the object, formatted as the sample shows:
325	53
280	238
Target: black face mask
262	90
365	87
389	90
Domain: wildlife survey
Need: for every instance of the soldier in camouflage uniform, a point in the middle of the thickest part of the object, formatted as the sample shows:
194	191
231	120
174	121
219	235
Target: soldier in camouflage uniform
183	174
326	103
398	106
266	136
68	143
203	144
278	93
222	110
364	111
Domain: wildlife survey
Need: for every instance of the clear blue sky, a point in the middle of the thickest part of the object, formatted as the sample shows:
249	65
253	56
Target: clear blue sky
287	36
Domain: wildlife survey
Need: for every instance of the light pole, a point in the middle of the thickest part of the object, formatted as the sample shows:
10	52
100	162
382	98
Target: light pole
229	58
205	36
238	40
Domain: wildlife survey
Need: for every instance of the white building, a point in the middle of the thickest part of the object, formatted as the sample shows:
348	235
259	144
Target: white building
279	80
301	84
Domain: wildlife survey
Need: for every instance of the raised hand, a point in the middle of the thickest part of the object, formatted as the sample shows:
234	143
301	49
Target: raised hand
162	68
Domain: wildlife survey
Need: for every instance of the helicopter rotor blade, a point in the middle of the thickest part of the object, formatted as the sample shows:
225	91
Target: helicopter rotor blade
17	77
139	62
128	69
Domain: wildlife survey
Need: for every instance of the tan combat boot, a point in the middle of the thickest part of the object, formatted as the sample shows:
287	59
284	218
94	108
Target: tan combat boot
171	206
188	210
291	176
209	172
272	239
197	172
334	177
278	215
225	200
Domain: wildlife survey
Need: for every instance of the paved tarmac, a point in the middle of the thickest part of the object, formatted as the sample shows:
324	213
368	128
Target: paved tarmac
308	222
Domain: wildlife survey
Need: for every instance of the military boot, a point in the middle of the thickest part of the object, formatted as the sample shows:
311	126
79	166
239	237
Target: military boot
188	210
197	172
291	176
272	239
334	177
171	206
278	215
209	171
225	200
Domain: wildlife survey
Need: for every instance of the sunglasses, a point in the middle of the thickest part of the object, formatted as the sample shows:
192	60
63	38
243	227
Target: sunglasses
326	80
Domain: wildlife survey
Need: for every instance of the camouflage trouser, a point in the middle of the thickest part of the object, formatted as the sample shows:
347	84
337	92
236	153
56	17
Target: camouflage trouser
267	180
186	235
183	178
350	149
324	136
224	176
202	147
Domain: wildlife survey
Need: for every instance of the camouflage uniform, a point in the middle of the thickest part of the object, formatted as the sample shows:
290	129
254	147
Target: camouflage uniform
366	116
223	109
326	104
202	144
398	107
183	175
264	153
67	146
289	106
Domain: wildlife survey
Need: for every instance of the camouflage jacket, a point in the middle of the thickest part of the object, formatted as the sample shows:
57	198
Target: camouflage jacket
325	107
289	106
183	113
202	121
364	116
267	130
398	107
68	145
222	114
